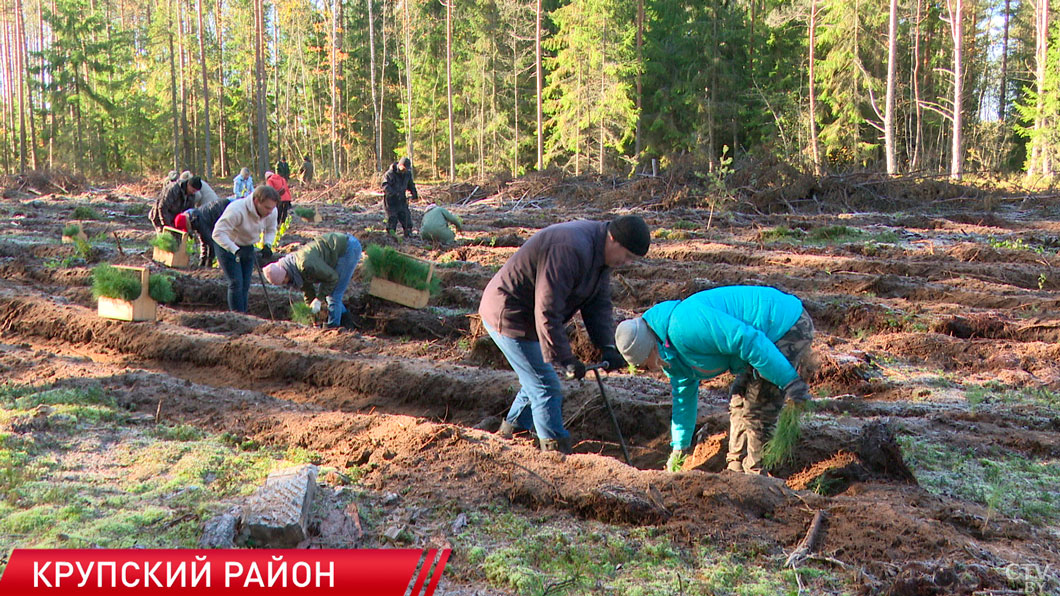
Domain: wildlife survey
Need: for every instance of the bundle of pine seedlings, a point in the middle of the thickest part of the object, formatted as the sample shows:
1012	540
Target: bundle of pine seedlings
71	230
399	268
166	241
306	213
302	313
780	449
124	284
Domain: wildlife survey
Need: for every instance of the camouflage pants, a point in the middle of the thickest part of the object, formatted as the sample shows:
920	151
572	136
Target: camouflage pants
753	413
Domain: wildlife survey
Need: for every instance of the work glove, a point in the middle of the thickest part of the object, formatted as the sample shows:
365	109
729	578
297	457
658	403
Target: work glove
614	358
574	370
797	392
677	459
315	305
266	252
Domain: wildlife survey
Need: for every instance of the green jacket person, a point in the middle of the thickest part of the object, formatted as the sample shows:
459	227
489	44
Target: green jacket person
759	334
321	269
435	226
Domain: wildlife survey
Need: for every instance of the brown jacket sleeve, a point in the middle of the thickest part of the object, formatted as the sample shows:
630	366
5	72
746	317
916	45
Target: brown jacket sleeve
556	275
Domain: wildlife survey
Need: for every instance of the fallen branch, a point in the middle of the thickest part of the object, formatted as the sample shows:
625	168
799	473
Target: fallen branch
805	548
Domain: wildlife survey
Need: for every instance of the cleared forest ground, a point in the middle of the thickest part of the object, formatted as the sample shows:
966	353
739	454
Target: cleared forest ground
936	354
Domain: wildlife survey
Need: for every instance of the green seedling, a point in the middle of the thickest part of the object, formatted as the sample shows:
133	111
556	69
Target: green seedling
780	448
85	212
71	230
166	241
306	213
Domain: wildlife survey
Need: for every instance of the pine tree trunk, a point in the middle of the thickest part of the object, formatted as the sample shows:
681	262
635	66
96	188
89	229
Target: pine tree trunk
408	68
207	169
956	8
814	146
637	146
376	132
6	113
918	107
43	90
221	88
538	82
29	92
892	73
1038	162
515	94
1002	91
21	82
262	82
449	83
382	81
173	96
334	84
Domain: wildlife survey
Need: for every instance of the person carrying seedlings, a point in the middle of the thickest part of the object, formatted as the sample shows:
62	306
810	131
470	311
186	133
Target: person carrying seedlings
243	184
279	183
283	169
307	170
562	269
176	199
236	231
203	220
322	268
760	334
435	226
396	182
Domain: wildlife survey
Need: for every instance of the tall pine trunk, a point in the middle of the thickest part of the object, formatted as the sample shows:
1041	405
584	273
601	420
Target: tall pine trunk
408	68
1002	92
815	147
918	106
956	8
207	169
334	84
449	83
29	92
21	82
538	82
173	91
892	73
221	88
259	70
377	133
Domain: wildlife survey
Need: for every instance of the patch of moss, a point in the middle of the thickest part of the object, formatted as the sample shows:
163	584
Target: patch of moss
85	212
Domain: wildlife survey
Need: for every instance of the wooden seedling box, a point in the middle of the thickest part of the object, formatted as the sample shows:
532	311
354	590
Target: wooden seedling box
403	295
179	259
80	234
141	309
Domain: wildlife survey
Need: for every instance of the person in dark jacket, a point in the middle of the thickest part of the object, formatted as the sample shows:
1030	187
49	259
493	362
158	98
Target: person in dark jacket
201	220
307	170
283	169
563	269
321	269
396	182
176	199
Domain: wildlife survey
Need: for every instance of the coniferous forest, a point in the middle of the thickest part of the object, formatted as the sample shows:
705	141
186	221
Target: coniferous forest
476	87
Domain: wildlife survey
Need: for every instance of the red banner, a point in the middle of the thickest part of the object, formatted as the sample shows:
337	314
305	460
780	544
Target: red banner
149	571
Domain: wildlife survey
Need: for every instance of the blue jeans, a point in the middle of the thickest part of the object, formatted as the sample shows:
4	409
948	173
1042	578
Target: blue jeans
347	263
239	269
539	403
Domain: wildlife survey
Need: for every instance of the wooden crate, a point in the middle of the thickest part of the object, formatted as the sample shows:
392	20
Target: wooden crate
141	309
177	260
403	295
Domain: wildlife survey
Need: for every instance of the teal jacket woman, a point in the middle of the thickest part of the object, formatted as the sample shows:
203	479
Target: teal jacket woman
733	329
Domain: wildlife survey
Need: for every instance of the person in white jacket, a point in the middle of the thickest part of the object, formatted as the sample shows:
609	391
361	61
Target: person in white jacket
240	227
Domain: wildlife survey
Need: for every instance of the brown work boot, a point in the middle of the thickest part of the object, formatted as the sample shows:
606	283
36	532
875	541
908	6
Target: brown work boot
561	445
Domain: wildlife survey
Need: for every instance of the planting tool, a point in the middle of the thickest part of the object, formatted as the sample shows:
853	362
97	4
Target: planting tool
607	403
264	286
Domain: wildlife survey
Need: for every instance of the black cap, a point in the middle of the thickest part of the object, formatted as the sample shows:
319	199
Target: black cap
406	162
632	233
195	182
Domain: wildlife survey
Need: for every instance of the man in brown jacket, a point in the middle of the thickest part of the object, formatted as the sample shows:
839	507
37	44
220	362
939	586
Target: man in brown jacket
561	270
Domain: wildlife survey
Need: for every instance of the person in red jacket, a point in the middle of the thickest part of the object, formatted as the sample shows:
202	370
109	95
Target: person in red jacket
278	182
